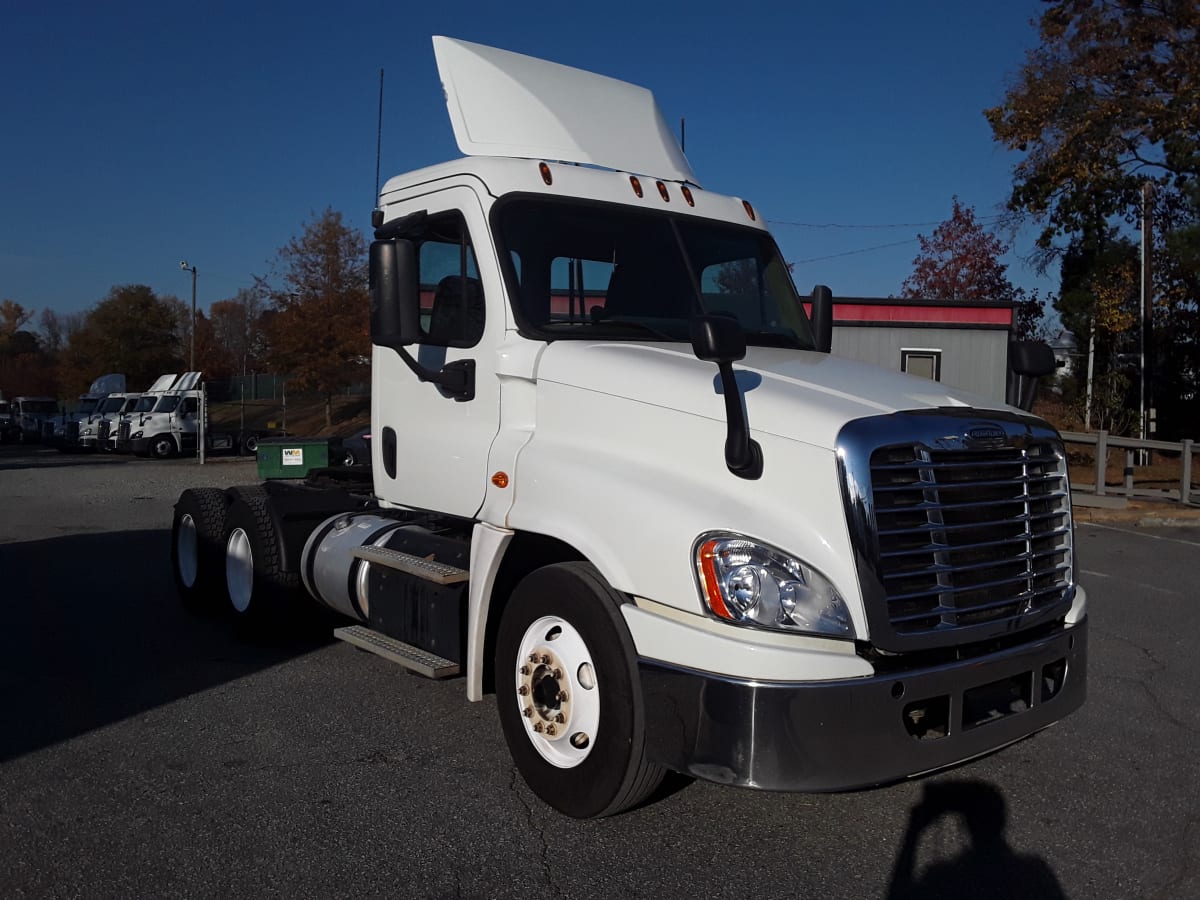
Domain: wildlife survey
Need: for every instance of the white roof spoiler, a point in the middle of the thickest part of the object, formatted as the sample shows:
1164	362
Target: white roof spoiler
108	384
508	104
162	383
186	382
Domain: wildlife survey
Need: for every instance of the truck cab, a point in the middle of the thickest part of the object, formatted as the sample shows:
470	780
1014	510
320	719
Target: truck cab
619	481
97	428
33	418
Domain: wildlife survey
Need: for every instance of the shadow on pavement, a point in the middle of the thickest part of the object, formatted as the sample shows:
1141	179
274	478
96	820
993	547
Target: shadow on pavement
91	631
985	867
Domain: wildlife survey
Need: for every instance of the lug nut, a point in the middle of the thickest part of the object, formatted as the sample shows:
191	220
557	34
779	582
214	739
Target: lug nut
551	730
537	726
533	657
524	670
562	696
545	659
557	674
560	718
523	690
527	712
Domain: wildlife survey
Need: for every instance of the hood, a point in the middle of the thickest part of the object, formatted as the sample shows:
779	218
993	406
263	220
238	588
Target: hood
801	396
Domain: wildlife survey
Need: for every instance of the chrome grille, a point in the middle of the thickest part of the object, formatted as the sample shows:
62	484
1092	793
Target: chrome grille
962	538
123	431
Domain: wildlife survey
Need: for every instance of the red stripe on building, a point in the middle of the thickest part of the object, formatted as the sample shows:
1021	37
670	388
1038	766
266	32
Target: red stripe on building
929	315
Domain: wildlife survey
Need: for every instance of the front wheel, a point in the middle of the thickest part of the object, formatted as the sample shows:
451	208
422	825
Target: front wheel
568	694
162	447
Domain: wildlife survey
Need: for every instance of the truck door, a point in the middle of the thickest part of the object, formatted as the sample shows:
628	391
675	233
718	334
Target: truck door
439	460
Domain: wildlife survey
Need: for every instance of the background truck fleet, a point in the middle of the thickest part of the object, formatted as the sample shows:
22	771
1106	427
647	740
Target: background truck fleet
618	481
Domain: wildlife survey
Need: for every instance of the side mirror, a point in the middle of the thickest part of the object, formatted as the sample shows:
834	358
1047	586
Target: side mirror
717	339
822	318
395	294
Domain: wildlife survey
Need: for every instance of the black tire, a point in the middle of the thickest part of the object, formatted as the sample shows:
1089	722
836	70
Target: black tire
609	772
162	447
348	458
256	586
250	444
197	548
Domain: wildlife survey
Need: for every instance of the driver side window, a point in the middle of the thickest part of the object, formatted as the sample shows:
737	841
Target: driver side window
452	305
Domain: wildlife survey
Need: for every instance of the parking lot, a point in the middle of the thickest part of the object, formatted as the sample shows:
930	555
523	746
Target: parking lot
147	752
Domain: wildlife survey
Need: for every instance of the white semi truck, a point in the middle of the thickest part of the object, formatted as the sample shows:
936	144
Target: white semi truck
67	431
619	481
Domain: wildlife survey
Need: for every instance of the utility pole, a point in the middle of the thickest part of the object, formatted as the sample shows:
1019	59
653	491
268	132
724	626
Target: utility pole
1146	404
192	354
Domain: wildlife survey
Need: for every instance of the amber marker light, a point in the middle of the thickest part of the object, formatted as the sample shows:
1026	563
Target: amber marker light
546	176
708	571
500	479
749	210
637	185
687	194
662	192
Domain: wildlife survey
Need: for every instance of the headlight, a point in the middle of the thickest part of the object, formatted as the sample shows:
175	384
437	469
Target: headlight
136	434
85	431
753	584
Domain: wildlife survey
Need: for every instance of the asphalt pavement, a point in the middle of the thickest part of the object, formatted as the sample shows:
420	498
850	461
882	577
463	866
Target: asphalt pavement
147	752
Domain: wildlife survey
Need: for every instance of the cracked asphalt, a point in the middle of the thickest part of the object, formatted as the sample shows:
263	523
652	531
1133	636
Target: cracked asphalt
145	752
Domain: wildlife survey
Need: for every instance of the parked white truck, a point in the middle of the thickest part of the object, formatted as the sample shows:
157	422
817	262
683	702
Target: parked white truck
618	479
67	431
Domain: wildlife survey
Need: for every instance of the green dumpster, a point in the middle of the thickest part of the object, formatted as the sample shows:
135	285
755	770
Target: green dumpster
291	457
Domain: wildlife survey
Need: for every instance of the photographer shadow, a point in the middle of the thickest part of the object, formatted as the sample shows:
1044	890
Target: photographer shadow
986	867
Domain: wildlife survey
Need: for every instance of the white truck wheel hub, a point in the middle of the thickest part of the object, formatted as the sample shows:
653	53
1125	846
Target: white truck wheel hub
187	552
239	569
557	692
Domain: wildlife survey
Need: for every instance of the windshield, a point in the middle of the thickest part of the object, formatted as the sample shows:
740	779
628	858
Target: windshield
110	404
87	406
145	404
40	407
167	403
608	272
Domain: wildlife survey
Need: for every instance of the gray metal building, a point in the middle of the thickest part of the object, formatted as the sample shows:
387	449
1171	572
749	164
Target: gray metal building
959	343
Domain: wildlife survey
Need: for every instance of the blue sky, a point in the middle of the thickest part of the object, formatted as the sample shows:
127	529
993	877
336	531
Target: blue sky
137	134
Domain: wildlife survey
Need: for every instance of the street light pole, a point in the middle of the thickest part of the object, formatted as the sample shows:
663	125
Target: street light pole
192	356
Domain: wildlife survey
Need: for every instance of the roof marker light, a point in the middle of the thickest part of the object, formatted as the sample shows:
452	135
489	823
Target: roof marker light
500	479
749	210
545	170
662	192
687	194
637	185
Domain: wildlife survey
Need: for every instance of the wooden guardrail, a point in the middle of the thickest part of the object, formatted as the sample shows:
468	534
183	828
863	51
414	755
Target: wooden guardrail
1103	442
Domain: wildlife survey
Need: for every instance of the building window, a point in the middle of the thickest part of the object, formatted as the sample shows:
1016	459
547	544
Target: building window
922	362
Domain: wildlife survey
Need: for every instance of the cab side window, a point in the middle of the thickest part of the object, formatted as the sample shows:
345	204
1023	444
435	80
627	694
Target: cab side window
452	305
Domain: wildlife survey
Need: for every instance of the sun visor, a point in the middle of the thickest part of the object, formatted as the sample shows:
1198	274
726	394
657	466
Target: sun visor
508	104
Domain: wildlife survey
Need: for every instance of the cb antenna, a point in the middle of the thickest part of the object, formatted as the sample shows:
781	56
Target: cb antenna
378	140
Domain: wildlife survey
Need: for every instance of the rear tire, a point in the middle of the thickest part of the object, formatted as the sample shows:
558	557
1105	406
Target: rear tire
257	587
568	693
197	550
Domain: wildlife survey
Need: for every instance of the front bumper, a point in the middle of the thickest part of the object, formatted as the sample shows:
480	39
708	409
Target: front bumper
848	734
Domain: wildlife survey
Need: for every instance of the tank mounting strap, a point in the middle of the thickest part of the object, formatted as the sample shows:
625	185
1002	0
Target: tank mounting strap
406	655
437	572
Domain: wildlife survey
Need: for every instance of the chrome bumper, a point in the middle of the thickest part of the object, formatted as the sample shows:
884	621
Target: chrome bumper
843	735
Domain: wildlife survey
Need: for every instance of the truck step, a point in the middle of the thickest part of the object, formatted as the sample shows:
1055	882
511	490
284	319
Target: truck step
412	658
437	572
